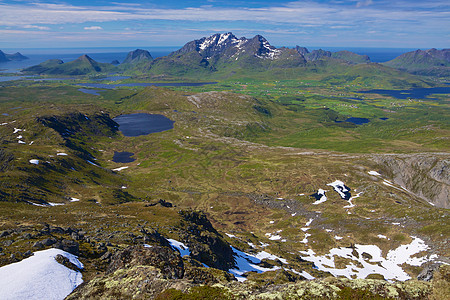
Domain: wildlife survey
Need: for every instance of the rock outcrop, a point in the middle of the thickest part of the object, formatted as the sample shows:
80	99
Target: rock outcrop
425	175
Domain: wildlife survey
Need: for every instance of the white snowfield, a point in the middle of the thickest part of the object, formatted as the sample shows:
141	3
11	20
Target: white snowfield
339	187
245	262
374	173
322	199
39	277
373	263
248	262
120	169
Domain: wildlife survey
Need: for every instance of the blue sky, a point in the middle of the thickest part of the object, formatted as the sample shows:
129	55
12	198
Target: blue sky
333	23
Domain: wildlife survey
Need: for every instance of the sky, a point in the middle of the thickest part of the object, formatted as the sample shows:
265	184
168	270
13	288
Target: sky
332	23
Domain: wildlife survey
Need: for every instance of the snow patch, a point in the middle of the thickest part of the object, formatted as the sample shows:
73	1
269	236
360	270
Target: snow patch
230	235
34	161
372	262
341	189
246	262
320	197
305	239
120	169
61	154
304	274
374	173
73	199
16	130
40	277
182	248
351	199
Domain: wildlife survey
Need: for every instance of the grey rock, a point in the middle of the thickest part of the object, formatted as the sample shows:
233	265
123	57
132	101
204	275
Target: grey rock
68	246
38	245
48	241
428	272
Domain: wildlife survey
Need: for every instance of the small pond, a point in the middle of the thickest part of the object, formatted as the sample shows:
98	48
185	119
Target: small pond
123	157
418	93
357	121
91	92
142	124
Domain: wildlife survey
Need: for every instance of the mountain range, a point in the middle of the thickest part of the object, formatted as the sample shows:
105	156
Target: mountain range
225	54
81	66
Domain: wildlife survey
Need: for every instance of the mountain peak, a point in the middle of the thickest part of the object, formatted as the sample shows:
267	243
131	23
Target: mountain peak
227	45
137	55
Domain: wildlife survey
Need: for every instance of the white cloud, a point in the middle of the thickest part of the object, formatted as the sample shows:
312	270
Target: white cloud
93	28
297	13
364	3
421	20
36	27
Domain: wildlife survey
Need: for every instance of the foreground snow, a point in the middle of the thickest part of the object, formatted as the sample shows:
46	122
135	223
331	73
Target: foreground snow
372	262
40	277
246	262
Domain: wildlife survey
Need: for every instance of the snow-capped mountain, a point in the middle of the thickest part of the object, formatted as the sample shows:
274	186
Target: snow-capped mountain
227	45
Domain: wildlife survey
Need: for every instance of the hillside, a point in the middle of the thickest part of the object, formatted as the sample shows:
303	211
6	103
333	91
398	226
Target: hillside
81	66
431	62
137	56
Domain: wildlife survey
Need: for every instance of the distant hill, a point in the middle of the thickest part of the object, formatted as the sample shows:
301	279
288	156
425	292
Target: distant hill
423	62
8	57
3	57
16	56
347	56
81	66
137	56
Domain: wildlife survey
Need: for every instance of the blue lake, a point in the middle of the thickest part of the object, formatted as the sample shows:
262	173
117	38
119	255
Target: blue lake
123	157
418	93
142	124
357	121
